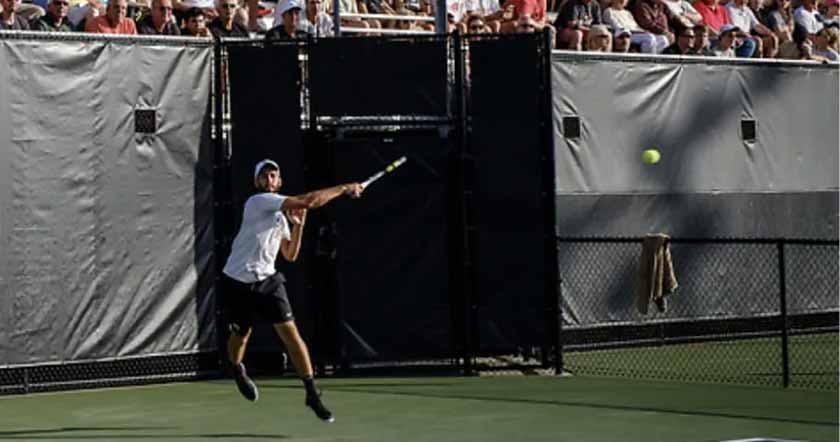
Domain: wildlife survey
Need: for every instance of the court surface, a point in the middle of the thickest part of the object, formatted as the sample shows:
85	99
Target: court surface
524	408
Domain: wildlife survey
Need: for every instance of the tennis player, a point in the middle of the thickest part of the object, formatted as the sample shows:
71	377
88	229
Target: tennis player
251	284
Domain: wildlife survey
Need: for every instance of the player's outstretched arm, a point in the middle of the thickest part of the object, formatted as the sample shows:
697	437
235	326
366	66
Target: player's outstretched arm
319	198
291	248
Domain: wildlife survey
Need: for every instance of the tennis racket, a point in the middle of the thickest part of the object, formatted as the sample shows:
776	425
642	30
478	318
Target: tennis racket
388	169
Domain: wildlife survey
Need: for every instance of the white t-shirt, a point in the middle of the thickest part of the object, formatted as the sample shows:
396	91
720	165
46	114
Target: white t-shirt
742	17
807	19
258	241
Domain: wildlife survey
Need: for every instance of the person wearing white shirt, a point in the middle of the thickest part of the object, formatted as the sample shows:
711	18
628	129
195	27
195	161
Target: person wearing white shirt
806	17
683	12
250	284
314	20
619	18
766	42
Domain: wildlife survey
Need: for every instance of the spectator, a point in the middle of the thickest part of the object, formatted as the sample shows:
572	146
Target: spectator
289	27
682	14
800	47
224	25
714	15
77	15
617	17
778	19
766	42
208	7
599	39
832	14
475	24
376	7
9	19
806	17
826	43
532	8
30	12
349	7
621	40
573	23
160	21
683	45
483	8
195	23
114	21
55	20
316	21
702	45
525	25
726	41
651	15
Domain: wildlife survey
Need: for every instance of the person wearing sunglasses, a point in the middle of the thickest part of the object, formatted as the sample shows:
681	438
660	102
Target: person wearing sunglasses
55	20
160	21
225	25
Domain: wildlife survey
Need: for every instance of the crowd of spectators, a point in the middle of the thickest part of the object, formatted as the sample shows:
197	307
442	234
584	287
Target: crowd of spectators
791	29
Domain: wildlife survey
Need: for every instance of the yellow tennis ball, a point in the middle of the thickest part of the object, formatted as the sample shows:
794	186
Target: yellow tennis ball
389	168
651	156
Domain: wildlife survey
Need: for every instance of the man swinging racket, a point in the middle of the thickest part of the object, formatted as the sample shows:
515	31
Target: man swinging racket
251	285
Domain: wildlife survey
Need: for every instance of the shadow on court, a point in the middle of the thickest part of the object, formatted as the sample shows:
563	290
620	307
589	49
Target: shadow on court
350	389
118	433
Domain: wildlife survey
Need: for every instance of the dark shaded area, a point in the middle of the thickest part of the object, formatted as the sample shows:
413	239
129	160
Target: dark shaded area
391	263
510	195
374	76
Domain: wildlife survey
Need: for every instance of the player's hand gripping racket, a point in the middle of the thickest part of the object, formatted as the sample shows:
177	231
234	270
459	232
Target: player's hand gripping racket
388	169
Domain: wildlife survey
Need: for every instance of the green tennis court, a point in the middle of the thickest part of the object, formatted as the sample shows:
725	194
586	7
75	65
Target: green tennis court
525	408
758	361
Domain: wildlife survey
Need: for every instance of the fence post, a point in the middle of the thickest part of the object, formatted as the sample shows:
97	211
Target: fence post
780	246
558	335
460	241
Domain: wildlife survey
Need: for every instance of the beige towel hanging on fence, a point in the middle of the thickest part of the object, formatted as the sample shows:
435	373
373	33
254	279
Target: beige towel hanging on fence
656	273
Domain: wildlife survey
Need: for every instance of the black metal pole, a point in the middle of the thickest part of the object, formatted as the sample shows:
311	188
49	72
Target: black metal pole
783	312
463	244
440	17
221	191
553	284
337	17
558	330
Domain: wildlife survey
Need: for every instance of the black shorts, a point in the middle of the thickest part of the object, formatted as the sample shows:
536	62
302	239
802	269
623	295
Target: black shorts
243	300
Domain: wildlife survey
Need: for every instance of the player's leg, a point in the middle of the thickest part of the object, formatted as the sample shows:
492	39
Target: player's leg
238	311
237	342
299	353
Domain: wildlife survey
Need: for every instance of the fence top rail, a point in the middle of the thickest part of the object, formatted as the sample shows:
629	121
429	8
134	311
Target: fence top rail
576	56
686	240
110	38
389	17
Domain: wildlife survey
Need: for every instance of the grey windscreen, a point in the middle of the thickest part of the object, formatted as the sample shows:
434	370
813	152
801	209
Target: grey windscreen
106	233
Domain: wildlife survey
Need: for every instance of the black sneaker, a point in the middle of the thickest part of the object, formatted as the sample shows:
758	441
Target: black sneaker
313	401
246	386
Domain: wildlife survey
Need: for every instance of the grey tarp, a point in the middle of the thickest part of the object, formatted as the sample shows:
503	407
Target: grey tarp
710	183
105	234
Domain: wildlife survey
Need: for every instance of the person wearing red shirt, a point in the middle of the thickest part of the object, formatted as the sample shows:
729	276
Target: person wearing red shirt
714	15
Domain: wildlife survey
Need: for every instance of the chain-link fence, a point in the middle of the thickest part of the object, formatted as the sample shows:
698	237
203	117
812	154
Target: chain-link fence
108	373
761	312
